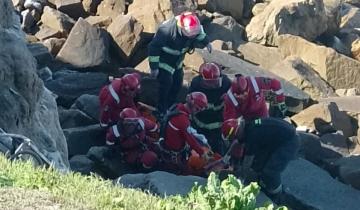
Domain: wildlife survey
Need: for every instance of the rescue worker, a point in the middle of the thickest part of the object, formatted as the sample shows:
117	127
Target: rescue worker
247	94
132	134
117	96
214	85
180	137
264	147
174	38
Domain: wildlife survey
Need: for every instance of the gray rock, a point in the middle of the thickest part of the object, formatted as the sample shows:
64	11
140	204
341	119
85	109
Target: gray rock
337	143
183	6
73	8
71	118
89	104
332	11
225	28
346	103
69	85
40	53
54	45
309	187
112	8
81	139
90	6
45	74
295	98
57	20
348	170
27	107
28	21
46	33
227	7
86	46
81	164
161	183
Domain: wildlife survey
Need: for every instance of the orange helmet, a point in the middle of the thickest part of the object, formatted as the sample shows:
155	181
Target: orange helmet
189	24
197	101
232	128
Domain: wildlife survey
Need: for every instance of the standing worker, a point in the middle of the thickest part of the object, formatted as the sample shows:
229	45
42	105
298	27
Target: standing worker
214	85
174	38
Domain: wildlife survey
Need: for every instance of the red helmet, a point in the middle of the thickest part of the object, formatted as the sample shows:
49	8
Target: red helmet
149	159
211	74
131	83
232	128
239	85
128	113
197	101
189	24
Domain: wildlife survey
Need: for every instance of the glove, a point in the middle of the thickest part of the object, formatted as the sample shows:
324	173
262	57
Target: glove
209	47
154	73
207	156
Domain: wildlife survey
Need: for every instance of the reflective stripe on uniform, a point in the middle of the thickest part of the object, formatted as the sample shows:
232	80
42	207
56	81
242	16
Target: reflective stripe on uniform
258	122
154	59
279	92
171	51
232	97
209	126
255	85
114	94
154	129
103	125
173	127
215	108
142	124
202	35
109	142
166	67
116	131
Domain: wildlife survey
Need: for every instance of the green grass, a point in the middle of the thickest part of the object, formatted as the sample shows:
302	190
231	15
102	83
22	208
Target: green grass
23	186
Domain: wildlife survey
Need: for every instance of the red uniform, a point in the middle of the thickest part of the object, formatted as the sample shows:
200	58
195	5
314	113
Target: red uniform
254	105
112	101
179	132
137	147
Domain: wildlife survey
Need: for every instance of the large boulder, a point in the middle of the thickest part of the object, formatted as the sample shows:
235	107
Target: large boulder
46	33
295	98
71	118
300	74
73	8
178	7
346	103
69	85
338	70
86	46
100	21
54	45
225	28
337	143
40	53
350	18
309	187
90	6
150	13
57	20
227	7
112	8
324	118
297	17
82	164
259	54
332	10
89	104
348	170
28	108
126	32
81	139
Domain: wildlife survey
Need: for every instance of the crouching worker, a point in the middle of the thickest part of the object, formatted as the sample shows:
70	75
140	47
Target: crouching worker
117	96
180	138
132	134
264	149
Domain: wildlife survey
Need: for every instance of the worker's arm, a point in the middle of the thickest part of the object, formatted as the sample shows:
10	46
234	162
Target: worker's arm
229	109
159	40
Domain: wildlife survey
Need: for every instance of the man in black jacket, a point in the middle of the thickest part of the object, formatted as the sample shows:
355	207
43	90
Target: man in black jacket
264	145
174	38
214	85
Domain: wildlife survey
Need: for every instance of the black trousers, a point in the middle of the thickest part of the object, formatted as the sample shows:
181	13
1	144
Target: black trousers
169	87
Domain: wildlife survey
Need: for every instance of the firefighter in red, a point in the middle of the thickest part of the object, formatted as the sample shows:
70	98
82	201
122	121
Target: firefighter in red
132	133
246	98
117	96
180	137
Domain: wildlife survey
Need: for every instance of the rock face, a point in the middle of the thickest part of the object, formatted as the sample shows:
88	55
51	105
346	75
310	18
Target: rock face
126	32
225	28
161	183
86	46
112	8
57	20
338	70
27	107
150	13
227	7
301	75
297	17
309	187
325	118
348	103
69	85
295	98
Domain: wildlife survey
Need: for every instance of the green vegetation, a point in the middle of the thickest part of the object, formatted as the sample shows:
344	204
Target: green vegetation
73	191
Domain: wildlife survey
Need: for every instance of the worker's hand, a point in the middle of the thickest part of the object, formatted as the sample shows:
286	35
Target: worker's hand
209	47
208	155
154	73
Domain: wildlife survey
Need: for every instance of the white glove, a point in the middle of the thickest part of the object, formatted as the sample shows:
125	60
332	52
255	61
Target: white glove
209	47
154	73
